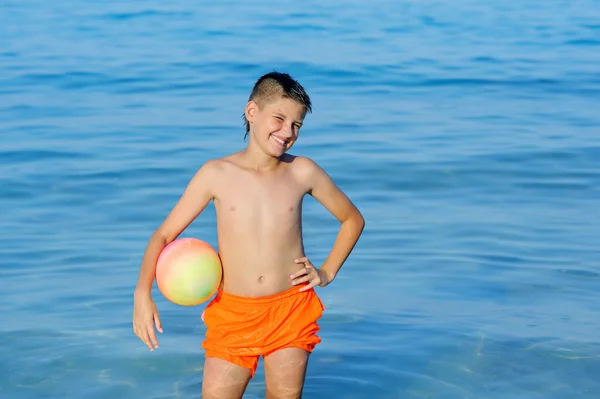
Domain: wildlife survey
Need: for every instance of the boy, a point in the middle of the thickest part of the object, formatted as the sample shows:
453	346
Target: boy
266	305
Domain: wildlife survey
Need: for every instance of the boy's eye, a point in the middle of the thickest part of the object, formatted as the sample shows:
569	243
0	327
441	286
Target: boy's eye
279	118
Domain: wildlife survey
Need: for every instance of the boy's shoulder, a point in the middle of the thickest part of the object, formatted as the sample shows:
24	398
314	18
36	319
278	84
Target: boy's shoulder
218	164
212	170
299	161
304	167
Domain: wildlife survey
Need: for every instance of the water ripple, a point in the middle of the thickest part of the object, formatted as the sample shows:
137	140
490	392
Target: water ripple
465	132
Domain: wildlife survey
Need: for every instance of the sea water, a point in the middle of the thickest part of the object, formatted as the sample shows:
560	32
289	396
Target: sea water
466	132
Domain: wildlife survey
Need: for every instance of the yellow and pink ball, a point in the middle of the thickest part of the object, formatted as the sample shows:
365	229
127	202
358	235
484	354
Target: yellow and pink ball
188	271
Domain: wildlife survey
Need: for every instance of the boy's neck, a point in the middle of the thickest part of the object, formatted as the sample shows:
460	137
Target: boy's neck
257	160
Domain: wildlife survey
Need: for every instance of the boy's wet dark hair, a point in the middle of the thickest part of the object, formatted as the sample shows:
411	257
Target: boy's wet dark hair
275	85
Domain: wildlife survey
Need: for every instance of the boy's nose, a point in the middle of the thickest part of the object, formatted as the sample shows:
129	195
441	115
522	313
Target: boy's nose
287	130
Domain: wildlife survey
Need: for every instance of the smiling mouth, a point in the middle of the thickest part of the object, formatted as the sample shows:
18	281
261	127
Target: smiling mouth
279	141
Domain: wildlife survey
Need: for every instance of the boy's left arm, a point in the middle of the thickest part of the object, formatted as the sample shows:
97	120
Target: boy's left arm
323	189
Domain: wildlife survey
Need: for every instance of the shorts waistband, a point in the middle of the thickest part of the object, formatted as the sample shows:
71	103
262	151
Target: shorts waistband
225	296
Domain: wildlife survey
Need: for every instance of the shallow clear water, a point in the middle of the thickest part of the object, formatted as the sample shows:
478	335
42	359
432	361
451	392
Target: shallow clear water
466	132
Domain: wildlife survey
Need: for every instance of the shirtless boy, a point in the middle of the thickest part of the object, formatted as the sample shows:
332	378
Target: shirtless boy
266	305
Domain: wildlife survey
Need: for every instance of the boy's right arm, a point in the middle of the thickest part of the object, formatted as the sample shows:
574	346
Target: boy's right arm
194	199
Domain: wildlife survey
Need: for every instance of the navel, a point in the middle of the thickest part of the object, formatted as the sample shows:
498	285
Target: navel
261	279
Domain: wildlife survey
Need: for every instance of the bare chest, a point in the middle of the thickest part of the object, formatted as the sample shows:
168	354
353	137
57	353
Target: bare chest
260	199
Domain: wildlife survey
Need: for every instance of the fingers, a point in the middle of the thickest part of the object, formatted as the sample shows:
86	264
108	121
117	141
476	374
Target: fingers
304	259
300	280
146	339
157	323
308	267
147	335
313	283
145	320
151	332
142	334
299	273
307	274
152	336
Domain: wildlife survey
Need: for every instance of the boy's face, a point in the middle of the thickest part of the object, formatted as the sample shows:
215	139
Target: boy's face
275	125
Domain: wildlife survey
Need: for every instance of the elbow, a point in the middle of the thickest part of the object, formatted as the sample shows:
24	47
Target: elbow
162	237
361	222
358	220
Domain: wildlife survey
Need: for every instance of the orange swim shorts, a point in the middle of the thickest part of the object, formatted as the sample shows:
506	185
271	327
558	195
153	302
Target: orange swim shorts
241	329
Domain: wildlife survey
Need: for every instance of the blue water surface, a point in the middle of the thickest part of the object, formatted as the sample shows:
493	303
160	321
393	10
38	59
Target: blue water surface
467	132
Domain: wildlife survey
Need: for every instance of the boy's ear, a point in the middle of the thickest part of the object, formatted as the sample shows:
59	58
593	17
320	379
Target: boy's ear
251	109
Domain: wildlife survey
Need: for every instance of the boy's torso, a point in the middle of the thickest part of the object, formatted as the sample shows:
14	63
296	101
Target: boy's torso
259	226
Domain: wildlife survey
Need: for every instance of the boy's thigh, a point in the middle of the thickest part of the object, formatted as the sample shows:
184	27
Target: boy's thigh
285	371
222	379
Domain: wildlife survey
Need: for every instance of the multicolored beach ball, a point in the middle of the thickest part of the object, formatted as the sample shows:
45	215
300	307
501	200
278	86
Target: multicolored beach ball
188	271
